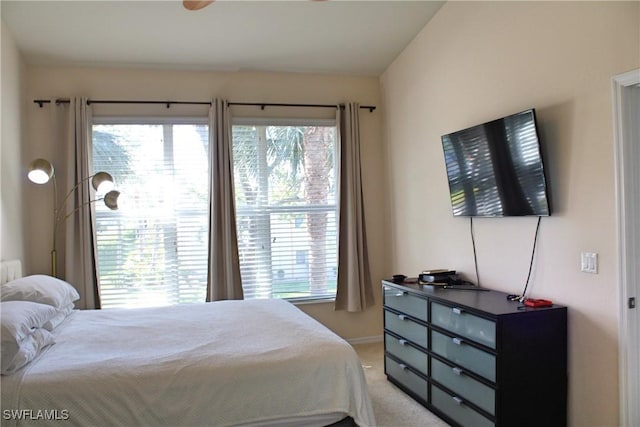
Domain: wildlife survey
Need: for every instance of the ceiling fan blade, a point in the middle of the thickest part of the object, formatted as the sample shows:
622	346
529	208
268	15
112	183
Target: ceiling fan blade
196	5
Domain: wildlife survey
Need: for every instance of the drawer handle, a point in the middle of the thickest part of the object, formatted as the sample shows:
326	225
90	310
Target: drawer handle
458	341
402	342
458	400
402	317
457	310
458	371
404	367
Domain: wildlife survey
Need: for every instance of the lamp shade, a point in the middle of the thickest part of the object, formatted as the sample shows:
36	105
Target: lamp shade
40	171
111	199
102	182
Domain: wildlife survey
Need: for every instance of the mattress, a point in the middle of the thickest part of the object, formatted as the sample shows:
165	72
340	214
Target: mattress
226	363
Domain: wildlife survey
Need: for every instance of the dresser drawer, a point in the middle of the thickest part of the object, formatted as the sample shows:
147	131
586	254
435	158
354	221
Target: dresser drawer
456	409
462	354
464	386
405	327
403	351
405	302
464	324
404	376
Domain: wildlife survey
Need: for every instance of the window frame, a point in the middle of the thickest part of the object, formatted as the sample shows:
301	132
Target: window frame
334	207
143	120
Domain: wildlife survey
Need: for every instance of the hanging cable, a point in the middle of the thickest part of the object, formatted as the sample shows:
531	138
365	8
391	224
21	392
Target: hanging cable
475	256
533	252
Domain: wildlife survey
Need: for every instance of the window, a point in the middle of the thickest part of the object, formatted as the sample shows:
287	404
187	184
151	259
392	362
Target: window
153	250
285	179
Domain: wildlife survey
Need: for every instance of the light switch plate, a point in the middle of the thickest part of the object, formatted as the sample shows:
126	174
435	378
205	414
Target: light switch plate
589	262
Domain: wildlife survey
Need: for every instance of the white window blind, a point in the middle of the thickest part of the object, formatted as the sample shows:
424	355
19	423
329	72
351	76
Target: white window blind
286	208
153	250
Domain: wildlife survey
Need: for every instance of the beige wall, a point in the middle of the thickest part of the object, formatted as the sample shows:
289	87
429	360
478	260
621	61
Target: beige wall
140	84
477	61
11	195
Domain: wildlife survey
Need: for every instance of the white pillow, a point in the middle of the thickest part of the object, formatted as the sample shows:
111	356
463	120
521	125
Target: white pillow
22	336
18	319
26	351
40	288
62	314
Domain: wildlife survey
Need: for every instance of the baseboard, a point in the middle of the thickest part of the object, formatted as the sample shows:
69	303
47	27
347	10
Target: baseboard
366	340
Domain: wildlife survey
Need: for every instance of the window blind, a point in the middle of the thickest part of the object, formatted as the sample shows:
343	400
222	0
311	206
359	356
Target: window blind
286	208
153	250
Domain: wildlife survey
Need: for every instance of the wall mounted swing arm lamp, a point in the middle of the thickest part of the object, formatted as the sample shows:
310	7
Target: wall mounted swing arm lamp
41	171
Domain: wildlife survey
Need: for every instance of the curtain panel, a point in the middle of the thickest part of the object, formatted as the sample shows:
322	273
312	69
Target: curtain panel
76	233
354	290
224	281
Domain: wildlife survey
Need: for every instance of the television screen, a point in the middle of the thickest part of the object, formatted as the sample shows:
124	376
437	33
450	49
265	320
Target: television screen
495	169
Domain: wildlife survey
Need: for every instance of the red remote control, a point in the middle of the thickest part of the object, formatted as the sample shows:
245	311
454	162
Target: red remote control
538	303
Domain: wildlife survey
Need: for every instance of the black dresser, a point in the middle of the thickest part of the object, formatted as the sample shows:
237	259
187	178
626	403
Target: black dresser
475	358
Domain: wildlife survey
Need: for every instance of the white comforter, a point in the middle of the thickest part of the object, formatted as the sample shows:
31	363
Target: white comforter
214	364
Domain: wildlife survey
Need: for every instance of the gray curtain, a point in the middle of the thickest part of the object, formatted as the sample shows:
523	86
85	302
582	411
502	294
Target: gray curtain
76	234
224	280
354	291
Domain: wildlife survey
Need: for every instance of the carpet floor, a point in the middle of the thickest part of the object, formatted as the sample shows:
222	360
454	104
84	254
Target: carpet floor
391	406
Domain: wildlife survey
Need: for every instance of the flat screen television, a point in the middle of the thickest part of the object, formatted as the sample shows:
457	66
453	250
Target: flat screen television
496	169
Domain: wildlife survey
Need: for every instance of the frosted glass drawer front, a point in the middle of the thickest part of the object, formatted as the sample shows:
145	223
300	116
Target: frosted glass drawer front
459	353
464	324
403	326
455	408
464	386
413	357
404	376
405	302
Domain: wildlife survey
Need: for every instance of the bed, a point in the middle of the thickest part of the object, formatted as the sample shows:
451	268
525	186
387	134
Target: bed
226	363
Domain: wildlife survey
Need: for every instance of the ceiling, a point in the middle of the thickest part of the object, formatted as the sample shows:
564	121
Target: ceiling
337	36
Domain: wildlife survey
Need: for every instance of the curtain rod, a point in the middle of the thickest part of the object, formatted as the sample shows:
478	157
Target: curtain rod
262	105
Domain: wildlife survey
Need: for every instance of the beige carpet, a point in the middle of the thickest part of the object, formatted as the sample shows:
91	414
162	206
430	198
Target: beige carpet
392	407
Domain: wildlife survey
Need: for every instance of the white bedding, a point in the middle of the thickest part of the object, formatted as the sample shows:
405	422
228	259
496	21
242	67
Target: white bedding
211	364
